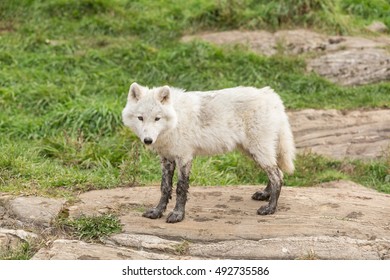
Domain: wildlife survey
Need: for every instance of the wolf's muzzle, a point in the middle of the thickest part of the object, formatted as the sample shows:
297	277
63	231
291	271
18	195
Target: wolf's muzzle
148	140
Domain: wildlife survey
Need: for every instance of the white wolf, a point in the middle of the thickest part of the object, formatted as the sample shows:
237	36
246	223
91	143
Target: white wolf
180	125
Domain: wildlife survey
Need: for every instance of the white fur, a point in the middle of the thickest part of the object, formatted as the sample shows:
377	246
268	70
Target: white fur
183	124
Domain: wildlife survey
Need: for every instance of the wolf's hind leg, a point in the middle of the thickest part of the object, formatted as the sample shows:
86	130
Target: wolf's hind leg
275	187
168	169
178	212
263	195
265	156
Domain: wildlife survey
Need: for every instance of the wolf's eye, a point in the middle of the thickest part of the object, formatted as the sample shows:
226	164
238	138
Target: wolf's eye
157	119
141	118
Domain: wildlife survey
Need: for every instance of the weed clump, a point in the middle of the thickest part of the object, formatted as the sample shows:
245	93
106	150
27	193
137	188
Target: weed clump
93	227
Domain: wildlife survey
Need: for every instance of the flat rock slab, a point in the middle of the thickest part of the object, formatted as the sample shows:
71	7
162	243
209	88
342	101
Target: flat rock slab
354	66
341	134
318	219
11	239
318	247
36	211
300	247
63	249
8	242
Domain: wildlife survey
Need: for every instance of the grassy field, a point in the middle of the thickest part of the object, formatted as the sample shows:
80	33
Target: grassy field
65	69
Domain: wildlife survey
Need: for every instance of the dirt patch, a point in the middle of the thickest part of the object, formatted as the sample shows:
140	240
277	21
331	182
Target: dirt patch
344	60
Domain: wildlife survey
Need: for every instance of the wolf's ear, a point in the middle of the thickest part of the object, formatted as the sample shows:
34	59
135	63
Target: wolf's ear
135	92
164	95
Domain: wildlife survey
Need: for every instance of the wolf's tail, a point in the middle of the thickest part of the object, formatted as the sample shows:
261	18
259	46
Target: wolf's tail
286	148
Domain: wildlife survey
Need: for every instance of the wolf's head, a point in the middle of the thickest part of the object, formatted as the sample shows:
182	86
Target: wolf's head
149	112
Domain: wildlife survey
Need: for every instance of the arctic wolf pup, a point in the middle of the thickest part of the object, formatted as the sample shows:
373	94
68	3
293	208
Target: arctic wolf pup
180	125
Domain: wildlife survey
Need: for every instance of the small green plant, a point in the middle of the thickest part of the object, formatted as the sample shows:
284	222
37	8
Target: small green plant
311	255
24	251
93	227
182	248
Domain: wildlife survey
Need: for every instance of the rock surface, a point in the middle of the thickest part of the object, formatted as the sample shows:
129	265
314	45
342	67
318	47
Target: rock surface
337	134
337	220
11	239
344	60
378	26
353	67
38	211
63	249
306	247
21	215
8	242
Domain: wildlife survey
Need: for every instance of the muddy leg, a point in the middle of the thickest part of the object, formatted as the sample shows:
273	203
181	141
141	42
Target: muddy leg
263	195
275	186
168	169
178	212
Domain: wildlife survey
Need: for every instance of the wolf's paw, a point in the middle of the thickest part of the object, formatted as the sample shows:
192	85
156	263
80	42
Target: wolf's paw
175	217
266	210
153	213
261	196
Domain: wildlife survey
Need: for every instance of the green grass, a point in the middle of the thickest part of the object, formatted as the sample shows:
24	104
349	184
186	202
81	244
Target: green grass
23	251
92	228
368	10
65	68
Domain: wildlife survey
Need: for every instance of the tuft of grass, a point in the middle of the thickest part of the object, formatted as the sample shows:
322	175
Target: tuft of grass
24	251
310	255
91	121
182	248
313	169
374	174
92	228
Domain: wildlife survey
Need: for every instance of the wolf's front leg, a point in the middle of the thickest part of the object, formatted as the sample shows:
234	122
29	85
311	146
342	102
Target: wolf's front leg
168	169
178	212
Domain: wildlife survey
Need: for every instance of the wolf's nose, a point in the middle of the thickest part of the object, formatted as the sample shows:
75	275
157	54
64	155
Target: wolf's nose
148	141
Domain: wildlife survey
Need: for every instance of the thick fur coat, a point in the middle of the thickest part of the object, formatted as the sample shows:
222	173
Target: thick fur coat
180	125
